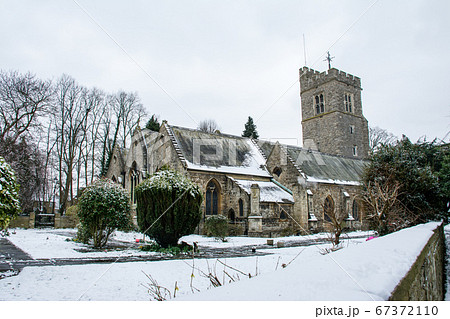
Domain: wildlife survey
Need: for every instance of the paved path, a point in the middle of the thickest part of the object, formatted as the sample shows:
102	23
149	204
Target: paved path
13	259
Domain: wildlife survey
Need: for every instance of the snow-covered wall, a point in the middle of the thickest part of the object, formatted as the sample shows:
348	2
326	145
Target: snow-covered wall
371	270
425	280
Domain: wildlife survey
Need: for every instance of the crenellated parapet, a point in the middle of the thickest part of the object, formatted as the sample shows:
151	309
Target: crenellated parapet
310	78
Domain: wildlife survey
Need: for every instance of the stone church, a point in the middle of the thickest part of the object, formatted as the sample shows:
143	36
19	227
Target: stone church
265	188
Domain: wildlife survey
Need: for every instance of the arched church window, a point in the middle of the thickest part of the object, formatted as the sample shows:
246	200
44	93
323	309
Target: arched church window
319	103
134	181
241	208
328	208
283	214
348	102
277	171
355	210
212	198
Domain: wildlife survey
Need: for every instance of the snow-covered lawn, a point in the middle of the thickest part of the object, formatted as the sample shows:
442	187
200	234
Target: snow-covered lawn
362	270
58	243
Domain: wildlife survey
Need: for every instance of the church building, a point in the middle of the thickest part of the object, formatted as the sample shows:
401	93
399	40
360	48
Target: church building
265	188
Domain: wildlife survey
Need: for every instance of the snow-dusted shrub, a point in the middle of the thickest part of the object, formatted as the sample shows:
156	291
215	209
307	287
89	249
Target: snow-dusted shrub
168	207
9	198
216	226
103	208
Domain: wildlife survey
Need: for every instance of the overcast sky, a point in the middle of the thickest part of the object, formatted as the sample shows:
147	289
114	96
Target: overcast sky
227	60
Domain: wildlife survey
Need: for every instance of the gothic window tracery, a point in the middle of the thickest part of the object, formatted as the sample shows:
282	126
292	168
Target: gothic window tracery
355	210
134	181
348	102
328	208
319	103
212	198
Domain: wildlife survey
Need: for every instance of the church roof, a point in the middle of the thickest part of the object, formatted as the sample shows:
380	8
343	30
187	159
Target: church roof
218	152
325	168
269	191
320	167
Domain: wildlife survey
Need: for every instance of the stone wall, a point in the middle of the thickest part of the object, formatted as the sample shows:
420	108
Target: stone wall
23	221
425	281
65	221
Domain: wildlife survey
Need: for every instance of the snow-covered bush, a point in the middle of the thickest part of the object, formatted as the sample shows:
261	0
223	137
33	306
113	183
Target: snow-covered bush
103	208
216	226
9	198
168	207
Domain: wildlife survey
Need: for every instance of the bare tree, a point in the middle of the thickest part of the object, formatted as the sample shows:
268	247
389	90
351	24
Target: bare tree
209	126
122	114
336	221
70	112
379	136
384	209
128	112
23	98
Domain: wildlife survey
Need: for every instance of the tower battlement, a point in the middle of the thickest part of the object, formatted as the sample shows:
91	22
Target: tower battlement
310	78
332	115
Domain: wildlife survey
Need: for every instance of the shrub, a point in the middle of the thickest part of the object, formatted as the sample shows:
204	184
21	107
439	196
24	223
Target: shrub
103	208
216	226
83	234
172	250
9	198
168	207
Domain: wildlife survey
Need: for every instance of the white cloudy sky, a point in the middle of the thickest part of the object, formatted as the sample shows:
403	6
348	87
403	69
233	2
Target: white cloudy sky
227	60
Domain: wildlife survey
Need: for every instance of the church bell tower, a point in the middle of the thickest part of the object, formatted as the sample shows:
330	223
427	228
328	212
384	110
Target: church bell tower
332	116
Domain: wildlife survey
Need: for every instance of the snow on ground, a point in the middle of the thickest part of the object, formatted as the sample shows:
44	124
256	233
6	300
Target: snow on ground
124	281
249	241
362	270
58	243
369	271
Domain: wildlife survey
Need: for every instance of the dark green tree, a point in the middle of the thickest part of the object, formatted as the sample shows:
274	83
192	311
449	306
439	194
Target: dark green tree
417	174
168	207
153	124
250	129
104	207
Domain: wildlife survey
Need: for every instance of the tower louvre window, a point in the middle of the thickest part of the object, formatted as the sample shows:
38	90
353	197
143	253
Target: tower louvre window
348	102
319	103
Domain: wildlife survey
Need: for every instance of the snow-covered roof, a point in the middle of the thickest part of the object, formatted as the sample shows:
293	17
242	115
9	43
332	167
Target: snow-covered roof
269	191
320	167
216	152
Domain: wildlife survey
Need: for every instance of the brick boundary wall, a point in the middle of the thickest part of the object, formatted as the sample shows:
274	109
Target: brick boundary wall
425	281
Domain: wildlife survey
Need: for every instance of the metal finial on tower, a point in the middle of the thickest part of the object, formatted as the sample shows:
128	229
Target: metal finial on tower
329	58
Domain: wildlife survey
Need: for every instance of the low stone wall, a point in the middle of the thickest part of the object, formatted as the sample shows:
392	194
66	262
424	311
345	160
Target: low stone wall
23	221
65	221
425	281
29	221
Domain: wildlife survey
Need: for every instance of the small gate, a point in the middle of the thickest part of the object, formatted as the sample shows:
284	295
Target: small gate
44	220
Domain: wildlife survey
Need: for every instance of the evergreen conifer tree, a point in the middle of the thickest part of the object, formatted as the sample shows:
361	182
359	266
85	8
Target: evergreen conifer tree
153	124
250	129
